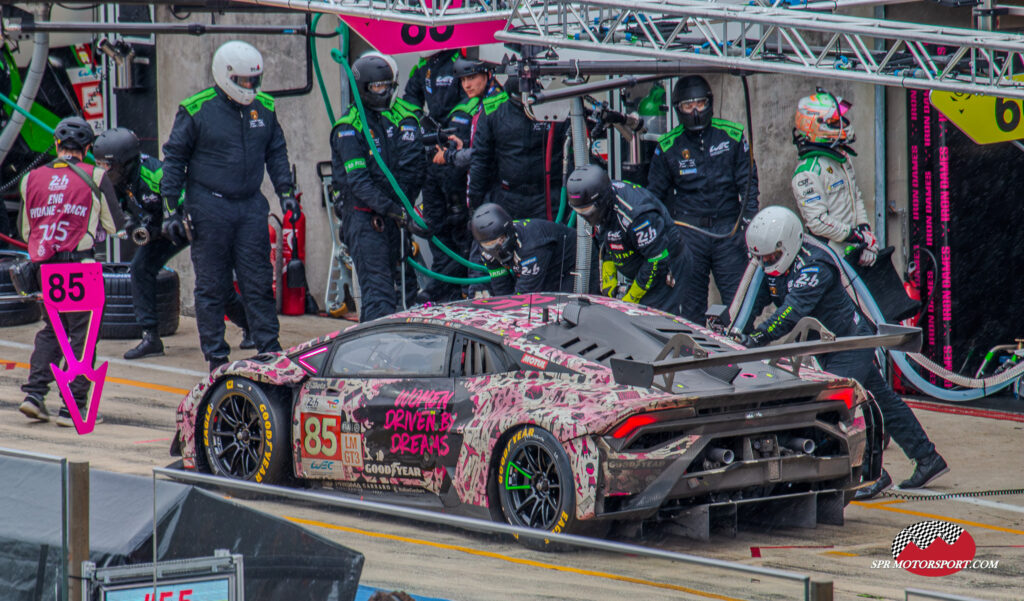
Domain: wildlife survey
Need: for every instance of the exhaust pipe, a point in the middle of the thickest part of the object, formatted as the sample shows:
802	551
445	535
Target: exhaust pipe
800	445
723	456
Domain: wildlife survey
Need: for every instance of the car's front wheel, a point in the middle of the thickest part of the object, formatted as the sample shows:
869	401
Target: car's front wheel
535	483
245	433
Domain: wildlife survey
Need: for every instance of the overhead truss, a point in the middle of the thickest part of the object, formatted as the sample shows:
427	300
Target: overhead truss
779	40
767	36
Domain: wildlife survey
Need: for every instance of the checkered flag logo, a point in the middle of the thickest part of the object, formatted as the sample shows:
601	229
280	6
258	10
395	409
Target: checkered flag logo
923	534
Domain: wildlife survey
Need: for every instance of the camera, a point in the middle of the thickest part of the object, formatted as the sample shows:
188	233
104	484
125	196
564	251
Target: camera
143	229
438	137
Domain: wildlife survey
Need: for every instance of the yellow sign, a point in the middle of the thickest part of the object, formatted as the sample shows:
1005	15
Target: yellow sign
986	119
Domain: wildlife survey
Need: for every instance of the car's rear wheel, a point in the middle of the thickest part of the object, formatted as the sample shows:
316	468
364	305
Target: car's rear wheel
535	483
245	433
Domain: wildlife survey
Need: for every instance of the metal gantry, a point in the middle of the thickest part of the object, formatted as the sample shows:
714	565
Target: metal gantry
779	40
427	13
764	36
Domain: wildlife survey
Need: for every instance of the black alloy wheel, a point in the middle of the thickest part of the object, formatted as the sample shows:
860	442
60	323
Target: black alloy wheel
244	433
535	483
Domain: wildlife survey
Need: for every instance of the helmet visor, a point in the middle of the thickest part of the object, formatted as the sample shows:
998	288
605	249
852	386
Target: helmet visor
249	82
690	105
492	245
379	87
586	210
771	258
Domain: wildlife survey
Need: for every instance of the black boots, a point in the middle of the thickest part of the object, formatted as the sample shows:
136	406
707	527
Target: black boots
216	362
884	482
247	341
149	347
928	469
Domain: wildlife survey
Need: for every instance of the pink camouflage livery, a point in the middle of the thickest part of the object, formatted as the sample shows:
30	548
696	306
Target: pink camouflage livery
493	406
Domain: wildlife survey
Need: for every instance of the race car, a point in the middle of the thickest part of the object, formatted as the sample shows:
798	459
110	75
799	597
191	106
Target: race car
551	411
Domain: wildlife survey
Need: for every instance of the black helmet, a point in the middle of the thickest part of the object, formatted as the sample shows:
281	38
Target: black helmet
375	68
73	133
689	88
492	228
590	193
119	149
464	67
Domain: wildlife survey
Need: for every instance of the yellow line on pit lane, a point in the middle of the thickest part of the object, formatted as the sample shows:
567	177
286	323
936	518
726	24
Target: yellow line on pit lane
528	562
114	380
881	507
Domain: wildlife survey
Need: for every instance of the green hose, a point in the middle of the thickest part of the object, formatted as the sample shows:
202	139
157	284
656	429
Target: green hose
445	278
337	56
316	61
561	206
35	120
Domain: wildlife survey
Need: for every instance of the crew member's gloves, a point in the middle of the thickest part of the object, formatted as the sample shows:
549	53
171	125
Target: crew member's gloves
418	230
863	234
482	294
617	291
339	208
176	229
290	203
752	340
129	227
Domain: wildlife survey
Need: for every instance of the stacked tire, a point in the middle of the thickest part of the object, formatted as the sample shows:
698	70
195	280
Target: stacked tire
15	312
119	310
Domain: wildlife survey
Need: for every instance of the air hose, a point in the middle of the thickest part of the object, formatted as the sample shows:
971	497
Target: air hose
342	30
336	55
977	387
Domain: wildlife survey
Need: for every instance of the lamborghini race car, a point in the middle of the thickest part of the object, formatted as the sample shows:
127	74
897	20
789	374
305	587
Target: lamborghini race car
552	411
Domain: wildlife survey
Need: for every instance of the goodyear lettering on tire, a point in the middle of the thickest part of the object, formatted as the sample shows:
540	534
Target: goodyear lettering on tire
521	434
206	425
561	522
268	443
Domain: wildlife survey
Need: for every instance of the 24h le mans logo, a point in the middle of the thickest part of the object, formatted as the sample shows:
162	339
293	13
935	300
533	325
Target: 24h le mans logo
933	548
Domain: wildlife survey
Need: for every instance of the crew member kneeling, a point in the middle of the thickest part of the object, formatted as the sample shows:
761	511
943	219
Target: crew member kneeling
802	281
524	256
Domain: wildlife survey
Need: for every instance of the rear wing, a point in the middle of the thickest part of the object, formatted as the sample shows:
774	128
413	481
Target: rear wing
642	373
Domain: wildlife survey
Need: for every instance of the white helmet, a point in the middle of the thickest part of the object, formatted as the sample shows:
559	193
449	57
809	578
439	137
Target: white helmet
774	237
238	70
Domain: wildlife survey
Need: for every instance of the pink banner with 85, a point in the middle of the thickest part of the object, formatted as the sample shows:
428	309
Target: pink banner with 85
390	37
67	288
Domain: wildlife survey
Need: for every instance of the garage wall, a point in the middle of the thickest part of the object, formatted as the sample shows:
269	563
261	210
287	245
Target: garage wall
184	69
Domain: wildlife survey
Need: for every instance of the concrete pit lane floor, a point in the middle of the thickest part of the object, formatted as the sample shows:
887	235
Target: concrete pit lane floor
985	451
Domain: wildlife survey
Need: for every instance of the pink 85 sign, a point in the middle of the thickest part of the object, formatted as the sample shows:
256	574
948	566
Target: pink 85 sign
71	288
390	37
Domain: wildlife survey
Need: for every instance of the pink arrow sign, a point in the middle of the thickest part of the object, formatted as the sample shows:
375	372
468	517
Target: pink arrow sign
76	287
390	37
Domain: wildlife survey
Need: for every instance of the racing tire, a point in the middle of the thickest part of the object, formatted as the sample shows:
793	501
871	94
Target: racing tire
245	433
535	485
119	321
15	312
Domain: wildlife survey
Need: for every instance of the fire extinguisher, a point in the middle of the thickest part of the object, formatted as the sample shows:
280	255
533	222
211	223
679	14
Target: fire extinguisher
914	293
900	384
293	253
